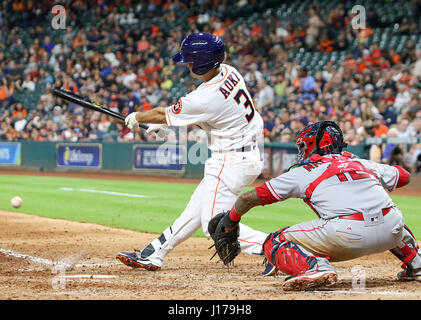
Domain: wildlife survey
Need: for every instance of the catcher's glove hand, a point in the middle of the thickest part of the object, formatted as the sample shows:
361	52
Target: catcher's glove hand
225	242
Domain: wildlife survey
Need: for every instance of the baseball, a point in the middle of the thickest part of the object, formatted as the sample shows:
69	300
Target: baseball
16	202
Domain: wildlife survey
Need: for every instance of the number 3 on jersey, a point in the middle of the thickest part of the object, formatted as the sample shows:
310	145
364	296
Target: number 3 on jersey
247	103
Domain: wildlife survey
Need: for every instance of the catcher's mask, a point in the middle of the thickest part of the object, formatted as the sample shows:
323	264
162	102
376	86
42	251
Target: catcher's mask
323	137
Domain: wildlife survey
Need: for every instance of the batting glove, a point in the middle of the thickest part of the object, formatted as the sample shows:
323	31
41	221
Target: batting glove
157	130
131	121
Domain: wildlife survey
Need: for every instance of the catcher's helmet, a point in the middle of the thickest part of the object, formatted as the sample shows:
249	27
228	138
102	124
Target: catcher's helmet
323	137
205	50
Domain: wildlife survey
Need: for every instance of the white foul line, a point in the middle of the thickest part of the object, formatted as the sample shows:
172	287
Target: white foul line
131	195
25	256
88	276
53	263
393	293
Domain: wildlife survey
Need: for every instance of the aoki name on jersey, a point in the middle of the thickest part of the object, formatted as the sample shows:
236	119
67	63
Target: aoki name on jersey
229	84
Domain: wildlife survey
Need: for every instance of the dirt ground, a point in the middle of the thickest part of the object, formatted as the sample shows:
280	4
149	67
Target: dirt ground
51	259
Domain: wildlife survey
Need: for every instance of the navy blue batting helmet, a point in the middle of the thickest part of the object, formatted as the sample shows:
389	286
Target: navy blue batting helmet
205	50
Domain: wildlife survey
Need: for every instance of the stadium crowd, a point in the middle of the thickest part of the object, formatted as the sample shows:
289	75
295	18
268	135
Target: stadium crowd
124	62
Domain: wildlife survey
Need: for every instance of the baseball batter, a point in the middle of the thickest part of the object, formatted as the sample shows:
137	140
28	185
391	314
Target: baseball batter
223	108
356	216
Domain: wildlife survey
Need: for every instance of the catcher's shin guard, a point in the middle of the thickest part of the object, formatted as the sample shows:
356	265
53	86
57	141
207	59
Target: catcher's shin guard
410	254
291	258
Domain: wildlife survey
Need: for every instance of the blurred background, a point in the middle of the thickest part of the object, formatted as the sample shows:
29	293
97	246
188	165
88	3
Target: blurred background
302	61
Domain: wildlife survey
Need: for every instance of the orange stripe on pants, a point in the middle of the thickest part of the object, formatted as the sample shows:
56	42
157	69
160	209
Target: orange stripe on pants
217	185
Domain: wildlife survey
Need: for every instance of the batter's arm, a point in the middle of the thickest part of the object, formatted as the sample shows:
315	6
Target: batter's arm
156	115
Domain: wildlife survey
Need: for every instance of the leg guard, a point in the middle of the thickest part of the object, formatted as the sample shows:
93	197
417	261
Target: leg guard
291	258
408	252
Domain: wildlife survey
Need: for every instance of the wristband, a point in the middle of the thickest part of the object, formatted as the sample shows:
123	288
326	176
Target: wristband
234	215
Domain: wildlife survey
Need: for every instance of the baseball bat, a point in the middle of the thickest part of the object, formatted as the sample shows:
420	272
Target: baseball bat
87	103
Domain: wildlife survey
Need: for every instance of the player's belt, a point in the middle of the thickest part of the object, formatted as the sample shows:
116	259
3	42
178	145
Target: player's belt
359	216
242	149
246	148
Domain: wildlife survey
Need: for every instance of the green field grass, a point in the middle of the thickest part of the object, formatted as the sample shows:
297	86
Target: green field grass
62	198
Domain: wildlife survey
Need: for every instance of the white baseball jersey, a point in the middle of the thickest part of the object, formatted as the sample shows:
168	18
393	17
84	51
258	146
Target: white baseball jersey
223	108
354	185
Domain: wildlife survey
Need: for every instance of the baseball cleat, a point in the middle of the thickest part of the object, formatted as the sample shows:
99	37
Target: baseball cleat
133	259
270	270
309	280
409	275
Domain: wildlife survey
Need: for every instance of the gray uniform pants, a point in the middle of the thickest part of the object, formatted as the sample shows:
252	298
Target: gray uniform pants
343	239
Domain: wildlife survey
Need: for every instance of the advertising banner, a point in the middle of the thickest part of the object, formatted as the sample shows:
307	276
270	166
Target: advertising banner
164	158
10	154
74	155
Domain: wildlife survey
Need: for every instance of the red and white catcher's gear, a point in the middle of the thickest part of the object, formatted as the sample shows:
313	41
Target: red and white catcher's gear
409	253
356	217
291	258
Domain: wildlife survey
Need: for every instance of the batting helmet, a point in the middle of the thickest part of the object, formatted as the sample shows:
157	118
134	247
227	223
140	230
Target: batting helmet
205	50
323	137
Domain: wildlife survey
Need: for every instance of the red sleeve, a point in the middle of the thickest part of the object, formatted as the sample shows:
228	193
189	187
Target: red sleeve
403	177
265	195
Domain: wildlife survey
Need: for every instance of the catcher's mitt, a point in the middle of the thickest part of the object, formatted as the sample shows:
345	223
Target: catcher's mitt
226	243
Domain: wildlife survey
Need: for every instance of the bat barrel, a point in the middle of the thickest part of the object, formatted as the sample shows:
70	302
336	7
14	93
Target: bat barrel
86	103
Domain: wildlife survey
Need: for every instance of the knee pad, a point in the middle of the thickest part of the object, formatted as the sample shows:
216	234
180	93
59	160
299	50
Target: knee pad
286	255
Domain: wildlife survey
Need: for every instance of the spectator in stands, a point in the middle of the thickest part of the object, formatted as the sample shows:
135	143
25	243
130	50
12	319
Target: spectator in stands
384	64
6	92
19	122
27	84
350	64
253	74
416	69
119	68
326	44
393	57
47	44
403	98
405	129
388	96
399	157
314	24
307	85
265	95
388	113
18	108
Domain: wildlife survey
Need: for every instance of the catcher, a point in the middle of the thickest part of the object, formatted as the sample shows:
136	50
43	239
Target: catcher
356	216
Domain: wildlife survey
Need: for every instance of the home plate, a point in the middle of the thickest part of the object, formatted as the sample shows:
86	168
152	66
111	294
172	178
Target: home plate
89	276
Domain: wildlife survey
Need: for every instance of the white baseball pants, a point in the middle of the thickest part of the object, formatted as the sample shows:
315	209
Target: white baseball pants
226	175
